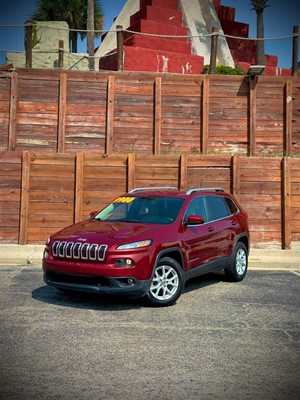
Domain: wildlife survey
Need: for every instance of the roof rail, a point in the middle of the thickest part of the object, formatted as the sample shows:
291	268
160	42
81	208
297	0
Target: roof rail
153	188
190	191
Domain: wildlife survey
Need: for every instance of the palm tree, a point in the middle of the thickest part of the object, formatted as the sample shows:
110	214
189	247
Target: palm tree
259	6
74	12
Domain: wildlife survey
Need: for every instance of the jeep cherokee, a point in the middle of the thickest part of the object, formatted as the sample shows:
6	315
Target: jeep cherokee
149	242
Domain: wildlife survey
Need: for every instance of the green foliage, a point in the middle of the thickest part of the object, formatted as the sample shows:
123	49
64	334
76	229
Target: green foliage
259	5
225	70
36	36
74	12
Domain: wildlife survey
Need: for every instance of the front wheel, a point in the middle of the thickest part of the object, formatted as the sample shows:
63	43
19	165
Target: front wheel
239	264
167	283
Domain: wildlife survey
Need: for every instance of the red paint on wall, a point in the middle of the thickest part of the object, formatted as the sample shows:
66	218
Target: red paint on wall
152	53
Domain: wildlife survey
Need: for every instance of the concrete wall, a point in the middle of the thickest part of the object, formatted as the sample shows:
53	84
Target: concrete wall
200	17
46	37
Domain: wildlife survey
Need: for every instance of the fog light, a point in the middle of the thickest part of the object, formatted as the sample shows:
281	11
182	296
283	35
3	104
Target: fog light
124	262
130	281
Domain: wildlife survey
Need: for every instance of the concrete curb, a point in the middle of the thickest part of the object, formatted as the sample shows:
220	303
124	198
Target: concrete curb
15	254
270	259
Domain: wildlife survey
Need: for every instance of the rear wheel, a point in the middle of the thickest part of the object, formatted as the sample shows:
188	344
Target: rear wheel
239	264
167	283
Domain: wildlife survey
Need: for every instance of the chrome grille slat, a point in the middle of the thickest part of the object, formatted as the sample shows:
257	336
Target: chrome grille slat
69	248
84	251
78	250
54	248
101	252
93	251
61	249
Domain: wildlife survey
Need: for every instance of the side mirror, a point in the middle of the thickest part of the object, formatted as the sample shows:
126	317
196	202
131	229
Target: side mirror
195	220
93	214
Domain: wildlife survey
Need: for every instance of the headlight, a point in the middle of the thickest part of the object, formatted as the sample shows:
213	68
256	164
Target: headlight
45	255
135	245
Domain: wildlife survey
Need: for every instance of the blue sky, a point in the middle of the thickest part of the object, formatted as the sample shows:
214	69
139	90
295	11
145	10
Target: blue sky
279	20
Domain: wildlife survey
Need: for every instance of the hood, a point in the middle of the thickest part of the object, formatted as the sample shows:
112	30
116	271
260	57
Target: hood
98	231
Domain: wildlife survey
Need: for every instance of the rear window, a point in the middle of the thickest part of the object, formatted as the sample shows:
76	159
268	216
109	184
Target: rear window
231	205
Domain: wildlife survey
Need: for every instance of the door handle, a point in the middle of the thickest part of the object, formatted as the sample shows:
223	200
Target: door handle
211	228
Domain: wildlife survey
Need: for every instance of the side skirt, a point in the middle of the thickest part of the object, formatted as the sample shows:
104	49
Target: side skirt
217	265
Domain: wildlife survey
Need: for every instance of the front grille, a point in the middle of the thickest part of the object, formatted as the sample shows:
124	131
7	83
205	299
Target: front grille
78	250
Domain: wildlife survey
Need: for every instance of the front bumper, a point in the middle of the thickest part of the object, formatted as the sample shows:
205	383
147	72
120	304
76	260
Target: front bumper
97	284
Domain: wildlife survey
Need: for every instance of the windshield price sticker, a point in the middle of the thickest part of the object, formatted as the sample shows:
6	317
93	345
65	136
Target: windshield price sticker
124	200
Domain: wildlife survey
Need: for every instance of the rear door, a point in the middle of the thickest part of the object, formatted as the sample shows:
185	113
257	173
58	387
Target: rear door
223	223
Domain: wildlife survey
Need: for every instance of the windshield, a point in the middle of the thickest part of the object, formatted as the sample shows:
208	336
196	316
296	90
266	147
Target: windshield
145	209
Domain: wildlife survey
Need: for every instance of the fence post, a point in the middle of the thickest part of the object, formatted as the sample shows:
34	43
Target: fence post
295	50
130	172
120	39
205	115
235	176
28	44
252	118
213	51
183	172
288	119
78	187
110	114
286	203
60	54
157	115
13	111
62	113
24	208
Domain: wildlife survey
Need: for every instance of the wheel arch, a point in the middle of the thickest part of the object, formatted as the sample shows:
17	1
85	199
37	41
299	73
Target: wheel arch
172	252
243	239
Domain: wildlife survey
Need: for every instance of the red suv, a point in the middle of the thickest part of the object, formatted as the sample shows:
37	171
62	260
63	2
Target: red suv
149	242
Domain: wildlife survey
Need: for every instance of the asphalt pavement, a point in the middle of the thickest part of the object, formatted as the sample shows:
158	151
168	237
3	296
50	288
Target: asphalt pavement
221	340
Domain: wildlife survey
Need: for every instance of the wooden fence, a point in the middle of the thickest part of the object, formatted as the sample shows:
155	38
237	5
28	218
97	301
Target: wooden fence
43	192
107	113
71	141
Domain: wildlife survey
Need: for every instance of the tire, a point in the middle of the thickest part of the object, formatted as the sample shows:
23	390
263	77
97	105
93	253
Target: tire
167	283
236	272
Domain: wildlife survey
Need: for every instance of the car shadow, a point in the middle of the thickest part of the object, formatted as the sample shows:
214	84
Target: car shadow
90	301
204	280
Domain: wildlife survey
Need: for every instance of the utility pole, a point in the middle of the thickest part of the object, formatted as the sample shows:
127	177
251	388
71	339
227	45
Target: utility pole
90	34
